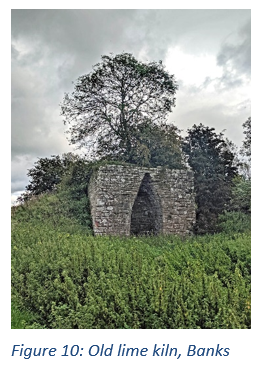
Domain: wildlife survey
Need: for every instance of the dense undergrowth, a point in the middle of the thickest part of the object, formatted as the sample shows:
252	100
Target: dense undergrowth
63	277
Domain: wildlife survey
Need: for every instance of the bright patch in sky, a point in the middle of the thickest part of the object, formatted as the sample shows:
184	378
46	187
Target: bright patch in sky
191	69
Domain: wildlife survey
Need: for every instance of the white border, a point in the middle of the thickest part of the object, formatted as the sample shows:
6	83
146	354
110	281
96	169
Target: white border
243	344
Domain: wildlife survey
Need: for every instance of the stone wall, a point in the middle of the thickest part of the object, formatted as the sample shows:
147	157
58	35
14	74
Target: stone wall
129	200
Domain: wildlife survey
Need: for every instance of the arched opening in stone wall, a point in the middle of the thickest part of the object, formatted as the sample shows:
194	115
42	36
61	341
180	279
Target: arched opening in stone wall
146	216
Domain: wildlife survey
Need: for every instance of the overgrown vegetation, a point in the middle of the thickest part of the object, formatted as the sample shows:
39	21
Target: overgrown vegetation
72	280
212	162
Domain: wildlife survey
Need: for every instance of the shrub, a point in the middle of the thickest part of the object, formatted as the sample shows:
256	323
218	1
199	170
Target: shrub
234	221
79	281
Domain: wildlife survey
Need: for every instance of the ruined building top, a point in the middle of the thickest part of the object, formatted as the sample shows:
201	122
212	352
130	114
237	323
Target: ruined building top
128	200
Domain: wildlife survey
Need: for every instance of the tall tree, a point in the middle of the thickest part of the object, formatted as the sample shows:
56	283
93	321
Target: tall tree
241	193
245	151
211	159
108	105
247	141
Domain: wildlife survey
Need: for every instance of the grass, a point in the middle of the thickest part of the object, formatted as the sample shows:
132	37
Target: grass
63	277
22	319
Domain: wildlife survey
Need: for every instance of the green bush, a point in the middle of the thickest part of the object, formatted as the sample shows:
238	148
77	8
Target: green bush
234	221
241	195
72	280
54	211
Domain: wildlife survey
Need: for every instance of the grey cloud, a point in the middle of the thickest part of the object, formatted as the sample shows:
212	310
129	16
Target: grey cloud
81	36
197	31
20	166
87	34
219	116
14	52
195	108
235	57
36	125
239	52
227	81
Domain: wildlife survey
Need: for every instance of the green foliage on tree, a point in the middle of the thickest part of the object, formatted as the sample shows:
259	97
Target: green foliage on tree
66	179
237	218
47	173
241	190
212	161
241	195
232	222
154	146
112	106
246	149
63	203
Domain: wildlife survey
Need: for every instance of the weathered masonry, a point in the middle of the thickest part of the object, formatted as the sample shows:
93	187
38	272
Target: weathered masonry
130	200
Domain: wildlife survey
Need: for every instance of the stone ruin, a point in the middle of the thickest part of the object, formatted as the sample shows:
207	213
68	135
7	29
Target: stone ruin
128	200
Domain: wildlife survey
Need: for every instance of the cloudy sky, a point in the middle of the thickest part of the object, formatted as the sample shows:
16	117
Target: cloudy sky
208	51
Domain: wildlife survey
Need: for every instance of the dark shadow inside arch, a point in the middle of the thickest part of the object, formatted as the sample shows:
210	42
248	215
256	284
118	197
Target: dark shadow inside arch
146	216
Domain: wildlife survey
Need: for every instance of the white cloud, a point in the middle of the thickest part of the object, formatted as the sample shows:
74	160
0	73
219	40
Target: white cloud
14	197
191	69
205	96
